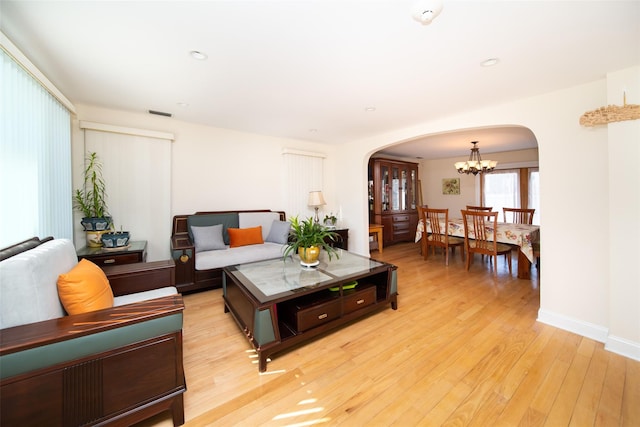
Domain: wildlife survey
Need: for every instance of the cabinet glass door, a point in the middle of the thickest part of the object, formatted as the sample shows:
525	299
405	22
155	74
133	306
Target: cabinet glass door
404	196
413	189
395	189
384	191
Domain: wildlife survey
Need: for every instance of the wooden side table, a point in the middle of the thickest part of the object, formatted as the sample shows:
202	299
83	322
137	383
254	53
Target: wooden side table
377	230
132	253
343	241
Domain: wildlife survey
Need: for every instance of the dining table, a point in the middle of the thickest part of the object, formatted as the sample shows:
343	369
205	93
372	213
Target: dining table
522	235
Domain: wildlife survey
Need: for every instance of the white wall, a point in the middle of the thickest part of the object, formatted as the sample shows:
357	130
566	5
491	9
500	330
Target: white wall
624	213
574	173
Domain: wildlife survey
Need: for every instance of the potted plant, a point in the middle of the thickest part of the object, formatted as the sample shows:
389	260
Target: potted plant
91	201
330	220
306	238
115	239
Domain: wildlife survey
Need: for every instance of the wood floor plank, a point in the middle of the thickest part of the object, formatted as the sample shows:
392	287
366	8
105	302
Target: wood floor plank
631	397
586	406
464	348
610	404
564	404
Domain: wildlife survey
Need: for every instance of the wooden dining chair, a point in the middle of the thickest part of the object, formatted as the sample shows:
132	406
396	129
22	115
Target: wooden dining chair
479	208
438	220
422	217
518	215
480	237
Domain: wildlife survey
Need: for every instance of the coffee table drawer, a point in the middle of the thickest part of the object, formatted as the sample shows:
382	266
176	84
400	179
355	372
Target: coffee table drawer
359	299
316	315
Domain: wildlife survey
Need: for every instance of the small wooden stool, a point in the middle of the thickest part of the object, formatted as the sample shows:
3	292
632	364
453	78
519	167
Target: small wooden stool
376	231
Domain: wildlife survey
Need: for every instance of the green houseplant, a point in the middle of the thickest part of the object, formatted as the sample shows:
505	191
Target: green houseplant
91	201
307	237
330	220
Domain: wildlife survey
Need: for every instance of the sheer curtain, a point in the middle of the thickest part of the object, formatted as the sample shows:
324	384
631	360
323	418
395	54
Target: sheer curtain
502	189
534	194
35	158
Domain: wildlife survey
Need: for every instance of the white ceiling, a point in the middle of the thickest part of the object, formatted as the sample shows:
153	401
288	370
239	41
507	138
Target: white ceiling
285	68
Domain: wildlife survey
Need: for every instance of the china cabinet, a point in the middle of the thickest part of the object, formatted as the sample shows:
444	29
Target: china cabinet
393	198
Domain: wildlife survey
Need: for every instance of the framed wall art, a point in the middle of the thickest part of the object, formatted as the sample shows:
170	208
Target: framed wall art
451	186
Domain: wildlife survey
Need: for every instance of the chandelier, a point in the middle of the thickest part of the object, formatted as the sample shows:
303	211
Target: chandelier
475	164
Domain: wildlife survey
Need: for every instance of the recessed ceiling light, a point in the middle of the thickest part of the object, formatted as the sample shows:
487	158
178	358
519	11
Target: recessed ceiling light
195	54
370	109
183	104
489	62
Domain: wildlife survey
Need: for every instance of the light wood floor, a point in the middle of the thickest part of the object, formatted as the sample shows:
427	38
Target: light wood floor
463	348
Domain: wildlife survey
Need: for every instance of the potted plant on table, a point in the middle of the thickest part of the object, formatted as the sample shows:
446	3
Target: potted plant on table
91	201
330	220
306	238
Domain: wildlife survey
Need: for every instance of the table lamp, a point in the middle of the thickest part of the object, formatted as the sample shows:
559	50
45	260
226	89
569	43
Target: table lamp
316	200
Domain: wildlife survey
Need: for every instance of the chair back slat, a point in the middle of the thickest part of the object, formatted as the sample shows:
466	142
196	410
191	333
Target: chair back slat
519	215
436	217
481	236
436	227
480	230
479	208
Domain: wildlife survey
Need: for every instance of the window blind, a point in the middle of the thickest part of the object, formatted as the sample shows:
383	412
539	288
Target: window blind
35	158
137	172
303	173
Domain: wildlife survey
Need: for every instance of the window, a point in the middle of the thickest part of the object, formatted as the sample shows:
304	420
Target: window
512	188
35	158
502	189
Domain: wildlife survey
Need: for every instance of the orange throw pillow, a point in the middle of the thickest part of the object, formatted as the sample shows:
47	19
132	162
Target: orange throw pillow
245	236
84	288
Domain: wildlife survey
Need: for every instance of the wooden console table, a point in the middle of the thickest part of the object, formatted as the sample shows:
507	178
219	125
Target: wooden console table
377	230
278	304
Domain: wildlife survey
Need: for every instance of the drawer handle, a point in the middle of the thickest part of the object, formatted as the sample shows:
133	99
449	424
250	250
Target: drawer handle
322	316
109	261
360	301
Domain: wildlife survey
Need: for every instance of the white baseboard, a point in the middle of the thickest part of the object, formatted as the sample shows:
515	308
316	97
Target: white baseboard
623	347
592	331
580	327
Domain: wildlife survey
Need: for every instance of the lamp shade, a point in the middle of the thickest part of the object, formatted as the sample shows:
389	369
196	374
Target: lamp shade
316	199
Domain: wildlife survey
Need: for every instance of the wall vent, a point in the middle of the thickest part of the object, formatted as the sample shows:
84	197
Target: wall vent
160	113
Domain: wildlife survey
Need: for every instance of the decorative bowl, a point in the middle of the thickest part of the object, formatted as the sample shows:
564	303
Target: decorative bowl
115	239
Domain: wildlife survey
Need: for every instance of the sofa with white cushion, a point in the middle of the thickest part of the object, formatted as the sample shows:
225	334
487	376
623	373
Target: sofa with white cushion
75	351
202	244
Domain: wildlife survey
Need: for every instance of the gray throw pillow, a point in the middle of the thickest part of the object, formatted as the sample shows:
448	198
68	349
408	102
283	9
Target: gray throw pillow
279	232
208	238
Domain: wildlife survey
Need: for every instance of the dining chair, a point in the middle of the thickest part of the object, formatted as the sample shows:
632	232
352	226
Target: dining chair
480	237
519	215
479	208
438	220
422	218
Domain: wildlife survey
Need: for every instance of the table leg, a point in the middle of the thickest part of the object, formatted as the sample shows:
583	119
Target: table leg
524	266
379	240
262	361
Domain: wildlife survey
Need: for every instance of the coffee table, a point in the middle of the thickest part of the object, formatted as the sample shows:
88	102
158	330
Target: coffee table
278	303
